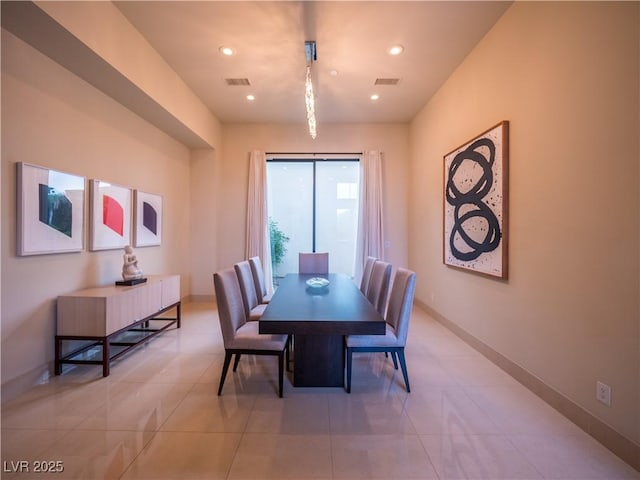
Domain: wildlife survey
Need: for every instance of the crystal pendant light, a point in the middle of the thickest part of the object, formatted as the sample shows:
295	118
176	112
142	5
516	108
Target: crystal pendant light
309	98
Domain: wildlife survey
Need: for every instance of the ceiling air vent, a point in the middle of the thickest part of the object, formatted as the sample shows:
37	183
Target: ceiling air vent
237	82
386	81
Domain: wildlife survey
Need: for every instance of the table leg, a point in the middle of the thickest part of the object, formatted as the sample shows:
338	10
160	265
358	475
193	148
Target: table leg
318	361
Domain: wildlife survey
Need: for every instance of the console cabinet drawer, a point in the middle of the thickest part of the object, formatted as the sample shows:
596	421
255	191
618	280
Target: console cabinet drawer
98	312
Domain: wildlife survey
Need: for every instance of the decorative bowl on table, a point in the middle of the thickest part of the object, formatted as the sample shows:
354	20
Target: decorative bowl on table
317	282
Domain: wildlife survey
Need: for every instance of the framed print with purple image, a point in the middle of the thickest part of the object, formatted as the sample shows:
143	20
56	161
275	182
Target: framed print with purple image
148	219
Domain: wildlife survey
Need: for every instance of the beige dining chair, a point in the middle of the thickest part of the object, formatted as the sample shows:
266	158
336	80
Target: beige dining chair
397	327
378	288
313	263
252	308
259	280
239	335
366	274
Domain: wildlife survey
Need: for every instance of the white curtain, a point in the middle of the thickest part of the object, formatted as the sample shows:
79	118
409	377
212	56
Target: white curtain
258	241
370	219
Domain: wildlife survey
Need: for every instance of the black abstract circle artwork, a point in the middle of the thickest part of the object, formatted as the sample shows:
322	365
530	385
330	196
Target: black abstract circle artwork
473	204
472	198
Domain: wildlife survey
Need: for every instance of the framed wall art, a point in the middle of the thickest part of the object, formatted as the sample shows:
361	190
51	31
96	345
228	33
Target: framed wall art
476	203
110	216
148	219
50	211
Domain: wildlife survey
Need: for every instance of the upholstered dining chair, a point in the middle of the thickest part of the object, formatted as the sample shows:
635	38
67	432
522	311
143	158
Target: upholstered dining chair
259	281
366	274
395	337
252	308
378	288
239	335
313	263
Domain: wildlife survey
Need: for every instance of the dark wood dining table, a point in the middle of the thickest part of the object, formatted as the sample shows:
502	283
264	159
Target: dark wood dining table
318	319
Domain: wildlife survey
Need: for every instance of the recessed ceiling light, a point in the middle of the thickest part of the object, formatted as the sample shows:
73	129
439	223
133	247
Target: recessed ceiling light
396	50
251	98
228	51
375	96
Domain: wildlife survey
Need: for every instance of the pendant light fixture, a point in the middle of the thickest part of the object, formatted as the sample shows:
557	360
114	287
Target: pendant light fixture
309	99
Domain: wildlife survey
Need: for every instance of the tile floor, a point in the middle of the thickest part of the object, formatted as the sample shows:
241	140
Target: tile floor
157	416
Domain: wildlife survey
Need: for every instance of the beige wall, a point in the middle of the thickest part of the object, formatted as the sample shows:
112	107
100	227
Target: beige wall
205	166
52	118
239	140
566	76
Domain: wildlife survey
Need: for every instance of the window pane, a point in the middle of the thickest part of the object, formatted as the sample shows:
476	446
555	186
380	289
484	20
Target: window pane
290	205
337	213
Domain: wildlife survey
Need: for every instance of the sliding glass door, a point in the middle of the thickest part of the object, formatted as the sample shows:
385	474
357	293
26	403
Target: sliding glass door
290	208
313	207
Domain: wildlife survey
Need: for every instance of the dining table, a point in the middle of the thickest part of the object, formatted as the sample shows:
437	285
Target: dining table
319	317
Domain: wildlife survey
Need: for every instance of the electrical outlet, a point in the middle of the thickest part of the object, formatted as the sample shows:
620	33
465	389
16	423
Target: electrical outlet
603	393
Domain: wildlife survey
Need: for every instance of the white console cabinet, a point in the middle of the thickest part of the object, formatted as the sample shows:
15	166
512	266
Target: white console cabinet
114	319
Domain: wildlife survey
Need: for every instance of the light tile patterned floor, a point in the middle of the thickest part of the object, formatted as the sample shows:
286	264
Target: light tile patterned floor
157	416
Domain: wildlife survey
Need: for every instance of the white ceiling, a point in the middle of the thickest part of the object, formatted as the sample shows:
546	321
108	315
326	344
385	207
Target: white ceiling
351	37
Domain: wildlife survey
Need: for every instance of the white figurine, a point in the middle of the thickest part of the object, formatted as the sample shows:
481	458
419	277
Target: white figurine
130	270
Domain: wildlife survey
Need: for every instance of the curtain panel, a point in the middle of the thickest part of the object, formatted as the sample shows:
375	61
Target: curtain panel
258	242
370	219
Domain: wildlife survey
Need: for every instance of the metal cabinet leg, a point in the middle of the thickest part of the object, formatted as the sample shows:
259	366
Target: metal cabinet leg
105	357
57	365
